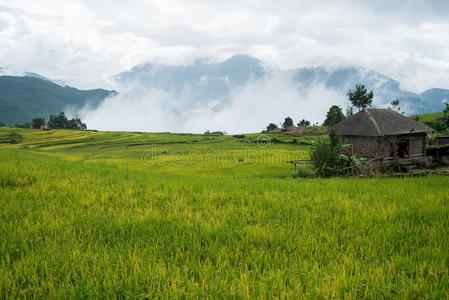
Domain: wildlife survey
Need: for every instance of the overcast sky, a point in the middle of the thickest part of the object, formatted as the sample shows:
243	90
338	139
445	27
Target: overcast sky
84	42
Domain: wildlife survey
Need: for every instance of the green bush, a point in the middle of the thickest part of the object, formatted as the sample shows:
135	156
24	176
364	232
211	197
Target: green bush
325	157
329	160
304	172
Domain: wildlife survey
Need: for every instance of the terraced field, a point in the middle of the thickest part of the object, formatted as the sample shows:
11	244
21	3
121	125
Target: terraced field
146	215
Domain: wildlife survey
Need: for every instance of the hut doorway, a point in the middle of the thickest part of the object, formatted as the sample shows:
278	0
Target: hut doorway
403	148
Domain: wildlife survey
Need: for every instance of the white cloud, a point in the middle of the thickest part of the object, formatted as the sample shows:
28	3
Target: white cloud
250	109
83	42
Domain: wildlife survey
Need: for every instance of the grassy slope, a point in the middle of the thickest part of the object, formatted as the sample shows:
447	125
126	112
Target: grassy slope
430	117
94	214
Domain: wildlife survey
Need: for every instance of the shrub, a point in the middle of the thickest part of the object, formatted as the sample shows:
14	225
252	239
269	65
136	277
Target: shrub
304	172
36	123
239	136
328	159
215	132
325	157
272	127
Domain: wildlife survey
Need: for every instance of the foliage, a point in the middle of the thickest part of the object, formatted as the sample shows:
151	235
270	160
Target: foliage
272	127
304	123
438	121
334	116
395	105
438	125
325	158
208	132
24	125
288	123
304	172
431	138
61	122
36	123
360	97
328	159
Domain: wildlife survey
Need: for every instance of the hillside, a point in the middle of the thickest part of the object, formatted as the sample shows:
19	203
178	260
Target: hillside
86	214
23	98
429	117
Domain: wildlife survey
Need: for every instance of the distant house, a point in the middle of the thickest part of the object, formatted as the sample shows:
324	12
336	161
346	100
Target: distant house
44	127
384	135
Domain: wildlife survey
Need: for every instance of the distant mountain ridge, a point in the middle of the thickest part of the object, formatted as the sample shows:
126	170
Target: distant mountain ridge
210	84
26	97
198	83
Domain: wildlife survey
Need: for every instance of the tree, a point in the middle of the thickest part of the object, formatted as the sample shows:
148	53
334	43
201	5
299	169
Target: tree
288	123
360	97
36	123
334	116
272	127
304	123
58	121
395	105
2	124
61	122
76	124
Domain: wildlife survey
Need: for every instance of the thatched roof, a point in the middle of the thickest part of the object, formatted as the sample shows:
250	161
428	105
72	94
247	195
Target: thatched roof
379	122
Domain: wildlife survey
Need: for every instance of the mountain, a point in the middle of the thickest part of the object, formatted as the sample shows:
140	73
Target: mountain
25	97
385	88
200	83
210	84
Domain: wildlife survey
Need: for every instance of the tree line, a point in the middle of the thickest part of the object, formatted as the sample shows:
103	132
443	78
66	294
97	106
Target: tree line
59	121
359	98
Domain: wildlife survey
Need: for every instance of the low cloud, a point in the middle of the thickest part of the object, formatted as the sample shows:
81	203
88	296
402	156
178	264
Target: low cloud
248	109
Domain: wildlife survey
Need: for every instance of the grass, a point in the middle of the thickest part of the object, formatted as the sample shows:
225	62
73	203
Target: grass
134	215
429	117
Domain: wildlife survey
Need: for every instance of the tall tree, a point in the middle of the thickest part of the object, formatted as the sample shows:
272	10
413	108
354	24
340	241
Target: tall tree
288	123
334	116
272	127
304	123
360	97
60	121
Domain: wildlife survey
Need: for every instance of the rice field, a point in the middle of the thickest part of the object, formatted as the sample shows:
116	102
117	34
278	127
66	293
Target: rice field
143	215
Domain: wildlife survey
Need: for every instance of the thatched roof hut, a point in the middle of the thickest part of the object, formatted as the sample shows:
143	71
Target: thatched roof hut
383	134
379	122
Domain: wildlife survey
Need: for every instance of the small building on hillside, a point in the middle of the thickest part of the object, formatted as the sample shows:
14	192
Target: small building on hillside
385	136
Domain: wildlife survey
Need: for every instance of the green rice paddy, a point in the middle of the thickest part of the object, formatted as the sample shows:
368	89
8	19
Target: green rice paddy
143	215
